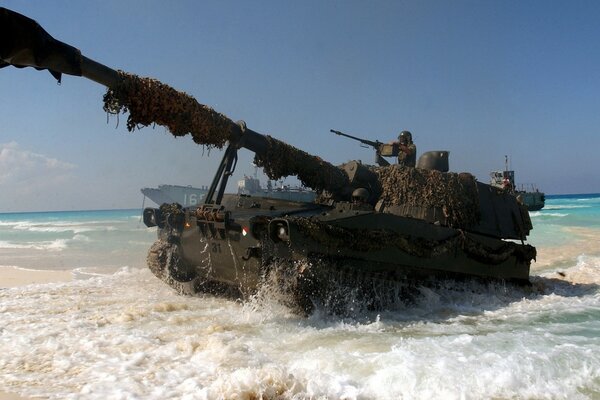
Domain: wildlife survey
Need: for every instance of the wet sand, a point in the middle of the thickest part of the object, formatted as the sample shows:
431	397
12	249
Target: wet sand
13	276
582	241
11	396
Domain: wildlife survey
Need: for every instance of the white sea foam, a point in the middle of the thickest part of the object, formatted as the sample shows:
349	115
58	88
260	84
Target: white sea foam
565	207
9	223
129	336
81	238
54	245
62	226
588	199
585	271
55	227
547	214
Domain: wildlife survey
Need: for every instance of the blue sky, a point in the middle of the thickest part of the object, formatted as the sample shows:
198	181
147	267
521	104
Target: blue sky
482	79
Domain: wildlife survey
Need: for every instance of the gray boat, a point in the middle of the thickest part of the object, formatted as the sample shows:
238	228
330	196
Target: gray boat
528	194
184	195
250	186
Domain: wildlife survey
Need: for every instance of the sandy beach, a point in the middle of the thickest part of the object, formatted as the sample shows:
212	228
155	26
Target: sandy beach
11	396
14	277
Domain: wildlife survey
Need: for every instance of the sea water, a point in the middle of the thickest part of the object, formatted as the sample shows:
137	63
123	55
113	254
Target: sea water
116	332
74	239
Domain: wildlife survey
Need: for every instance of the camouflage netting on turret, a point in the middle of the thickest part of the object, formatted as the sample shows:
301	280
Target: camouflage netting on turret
455	194
149	101
282	160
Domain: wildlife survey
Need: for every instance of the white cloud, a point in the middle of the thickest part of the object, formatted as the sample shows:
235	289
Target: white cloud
24	173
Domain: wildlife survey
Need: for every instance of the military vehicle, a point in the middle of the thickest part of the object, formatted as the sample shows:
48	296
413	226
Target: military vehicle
377	231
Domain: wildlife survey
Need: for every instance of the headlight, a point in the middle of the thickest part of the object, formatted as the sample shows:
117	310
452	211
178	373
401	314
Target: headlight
279	231
282	233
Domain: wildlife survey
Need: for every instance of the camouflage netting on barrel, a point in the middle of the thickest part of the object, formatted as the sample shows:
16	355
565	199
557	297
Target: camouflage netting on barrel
282	160
455	194
149	101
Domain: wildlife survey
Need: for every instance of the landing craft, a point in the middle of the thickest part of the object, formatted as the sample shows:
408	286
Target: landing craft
375	230
528	194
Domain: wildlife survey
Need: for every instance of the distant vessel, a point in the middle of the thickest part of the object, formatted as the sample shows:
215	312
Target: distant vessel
249	186
528	193
184	195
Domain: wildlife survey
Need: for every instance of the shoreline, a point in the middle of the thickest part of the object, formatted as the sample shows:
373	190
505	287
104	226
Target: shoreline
11	276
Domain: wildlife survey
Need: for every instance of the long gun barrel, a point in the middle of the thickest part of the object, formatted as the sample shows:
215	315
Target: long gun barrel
24	43
380	148
372	143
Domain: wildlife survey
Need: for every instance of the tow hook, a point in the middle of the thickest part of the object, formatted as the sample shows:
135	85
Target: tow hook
252	252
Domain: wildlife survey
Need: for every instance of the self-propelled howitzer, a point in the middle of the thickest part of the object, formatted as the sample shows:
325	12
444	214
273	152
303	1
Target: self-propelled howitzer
374	230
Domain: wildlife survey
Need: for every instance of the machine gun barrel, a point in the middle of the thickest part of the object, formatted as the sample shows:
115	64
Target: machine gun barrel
372	143
24	43
380	148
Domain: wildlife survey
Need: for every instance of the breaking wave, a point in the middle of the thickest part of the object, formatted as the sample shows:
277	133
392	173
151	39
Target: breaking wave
543	214
566	207
54	245
58	227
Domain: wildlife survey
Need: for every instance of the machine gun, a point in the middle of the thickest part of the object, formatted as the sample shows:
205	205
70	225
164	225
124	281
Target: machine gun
381	149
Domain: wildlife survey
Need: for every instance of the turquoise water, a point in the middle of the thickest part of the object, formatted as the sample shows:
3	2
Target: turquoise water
568	227
74	239
119	333
570	210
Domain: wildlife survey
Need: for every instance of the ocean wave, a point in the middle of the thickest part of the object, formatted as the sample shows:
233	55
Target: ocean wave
81	238
53	245
585	271
588	199
60	227
13	223
565	207
54	229
542	214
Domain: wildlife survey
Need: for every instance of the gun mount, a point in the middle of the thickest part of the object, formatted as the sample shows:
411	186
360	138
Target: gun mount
370	227
381	149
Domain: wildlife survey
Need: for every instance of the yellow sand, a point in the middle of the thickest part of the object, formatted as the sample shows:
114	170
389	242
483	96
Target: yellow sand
13	276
